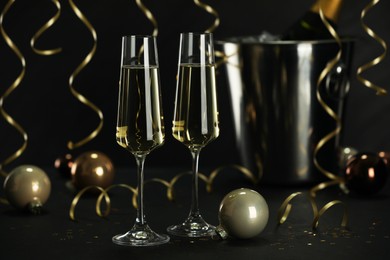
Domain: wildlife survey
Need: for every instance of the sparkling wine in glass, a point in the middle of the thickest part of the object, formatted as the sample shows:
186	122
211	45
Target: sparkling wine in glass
140	126
195	122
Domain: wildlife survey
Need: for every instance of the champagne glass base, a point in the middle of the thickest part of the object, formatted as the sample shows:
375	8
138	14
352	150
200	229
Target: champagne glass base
140	236
192	227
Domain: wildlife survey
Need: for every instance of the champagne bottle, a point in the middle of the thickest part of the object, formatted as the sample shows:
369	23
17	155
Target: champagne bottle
310	26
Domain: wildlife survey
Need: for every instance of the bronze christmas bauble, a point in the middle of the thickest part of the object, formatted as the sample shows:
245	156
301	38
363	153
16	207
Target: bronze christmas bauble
366	173
92	168
63	164
27	186
386	158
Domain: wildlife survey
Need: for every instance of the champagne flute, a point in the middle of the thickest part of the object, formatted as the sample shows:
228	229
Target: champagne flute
195	122
140	126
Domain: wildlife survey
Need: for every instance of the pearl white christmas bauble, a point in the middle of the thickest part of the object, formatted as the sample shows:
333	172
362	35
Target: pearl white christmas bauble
243	213
27	186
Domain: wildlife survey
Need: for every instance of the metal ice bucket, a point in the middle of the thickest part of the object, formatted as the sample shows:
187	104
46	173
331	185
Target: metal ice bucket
278	120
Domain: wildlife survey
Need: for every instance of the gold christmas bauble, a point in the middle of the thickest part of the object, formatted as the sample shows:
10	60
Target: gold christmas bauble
92	168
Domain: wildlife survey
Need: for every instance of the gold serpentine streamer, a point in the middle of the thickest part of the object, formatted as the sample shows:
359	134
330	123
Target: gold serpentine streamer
128	187
344	221
46	26
208	180
97	207
211	11
379	91
13	86
81	98
216	23
286	206
148	15
328	68
225	59
168	184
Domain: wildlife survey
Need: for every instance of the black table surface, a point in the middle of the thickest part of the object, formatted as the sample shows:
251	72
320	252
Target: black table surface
52	235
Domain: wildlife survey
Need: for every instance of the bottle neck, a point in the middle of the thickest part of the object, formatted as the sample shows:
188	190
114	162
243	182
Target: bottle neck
330	8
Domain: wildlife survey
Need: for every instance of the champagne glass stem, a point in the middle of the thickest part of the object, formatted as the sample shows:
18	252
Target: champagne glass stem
195	199
140	220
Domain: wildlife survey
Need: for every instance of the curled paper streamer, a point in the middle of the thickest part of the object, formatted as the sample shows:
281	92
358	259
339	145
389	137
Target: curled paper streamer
97	207
46	26
103	194
217	21
208	180
81	98
379	91
324	185
13	86
226	59
170	191
246	172
148	15
128	187
344	221
211	11
168	184
285	208
328	68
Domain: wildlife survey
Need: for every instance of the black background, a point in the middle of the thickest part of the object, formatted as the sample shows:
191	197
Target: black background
51	116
